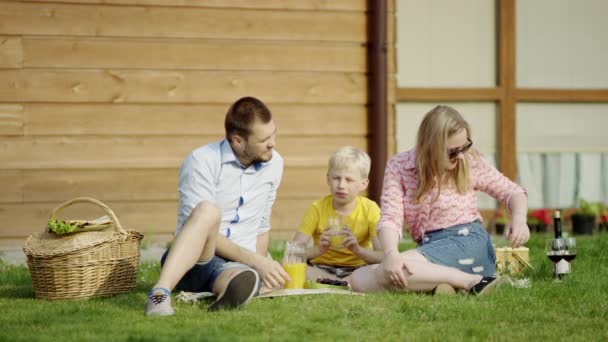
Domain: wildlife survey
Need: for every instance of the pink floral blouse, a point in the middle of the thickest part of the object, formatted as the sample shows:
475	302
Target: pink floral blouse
450	208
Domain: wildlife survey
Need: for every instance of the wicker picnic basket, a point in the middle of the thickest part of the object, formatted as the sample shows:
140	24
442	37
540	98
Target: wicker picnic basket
90	263
512	261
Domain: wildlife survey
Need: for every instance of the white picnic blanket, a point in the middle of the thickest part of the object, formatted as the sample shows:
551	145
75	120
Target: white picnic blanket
194	297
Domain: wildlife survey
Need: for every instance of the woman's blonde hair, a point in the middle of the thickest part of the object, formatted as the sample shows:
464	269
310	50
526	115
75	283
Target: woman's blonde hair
439	124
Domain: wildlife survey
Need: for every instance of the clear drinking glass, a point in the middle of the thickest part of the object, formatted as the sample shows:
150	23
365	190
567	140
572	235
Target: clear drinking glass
335	224
556	250
570	250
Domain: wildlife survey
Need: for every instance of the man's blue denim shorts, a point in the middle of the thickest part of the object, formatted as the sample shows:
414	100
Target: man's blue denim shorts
466	247
201	277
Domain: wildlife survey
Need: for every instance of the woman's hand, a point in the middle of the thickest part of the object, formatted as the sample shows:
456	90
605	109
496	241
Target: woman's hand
394	267
518	233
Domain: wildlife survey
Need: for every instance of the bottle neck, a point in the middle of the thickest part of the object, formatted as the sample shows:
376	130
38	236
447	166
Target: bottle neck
557	227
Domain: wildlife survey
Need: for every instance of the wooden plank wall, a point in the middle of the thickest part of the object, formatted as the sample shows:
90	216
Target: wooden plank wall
104	98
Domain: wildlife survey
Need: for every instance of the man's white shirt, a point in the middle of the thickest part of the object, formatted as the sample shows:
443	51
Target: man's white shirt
244	195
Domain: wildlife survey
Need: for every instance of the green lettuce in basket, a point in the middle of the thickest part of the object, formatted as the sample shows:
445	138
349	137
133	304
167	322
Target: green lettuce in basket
63	227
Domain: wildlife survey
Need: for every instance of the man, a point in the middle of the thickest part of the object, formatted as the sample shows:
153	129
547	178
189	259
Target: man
226	192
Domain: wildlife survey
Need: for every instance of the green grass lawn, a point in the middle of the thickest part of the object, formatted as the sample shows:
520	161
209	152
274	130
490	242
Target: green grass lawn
573	310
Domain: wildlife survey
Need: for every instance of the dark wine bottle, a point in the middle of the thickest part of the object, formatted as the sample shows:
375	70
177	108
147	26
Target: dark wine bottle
557	225
558	243
560	266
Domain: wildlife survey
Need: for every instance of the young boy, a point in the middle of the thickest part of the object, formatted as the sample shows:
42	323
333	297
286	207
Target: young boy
342	224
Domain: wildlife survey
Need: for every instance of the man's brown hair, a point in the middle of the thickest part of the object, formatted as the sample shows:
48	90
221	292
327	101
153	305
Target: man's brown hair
243	114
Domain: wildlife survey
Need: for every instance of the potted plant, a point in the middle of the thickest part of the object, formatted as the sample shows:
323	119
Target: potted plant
539	220
583	219
604	220
500	221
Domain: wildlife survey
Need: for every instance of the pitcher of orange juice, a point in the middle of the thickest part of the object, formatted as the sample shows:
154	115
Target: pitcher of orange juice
294	263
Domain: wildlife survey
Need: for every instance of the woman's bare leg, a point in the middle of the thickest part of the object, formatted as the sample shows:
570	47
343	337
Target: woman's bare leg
424	276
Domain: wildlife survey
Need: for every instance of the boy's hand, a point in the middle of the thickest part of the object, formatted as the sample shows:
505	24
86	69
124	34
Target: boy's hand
324	241
350	240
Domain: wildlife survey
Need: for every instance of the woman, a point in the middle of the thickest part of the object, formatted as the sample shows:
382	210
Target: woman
434	188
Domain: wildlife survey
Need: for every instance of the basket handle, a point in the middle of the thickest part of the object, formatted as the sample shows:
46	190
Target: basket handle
117	225
520	258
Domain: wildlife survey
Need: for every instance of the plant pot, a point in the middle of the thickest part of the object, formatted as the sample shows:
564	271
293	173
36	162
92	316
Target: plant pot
538	228
583	224
500	228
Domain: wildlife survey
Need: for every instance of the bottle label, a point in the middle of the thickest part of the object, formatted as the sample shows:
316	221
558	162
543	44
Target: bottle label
562	267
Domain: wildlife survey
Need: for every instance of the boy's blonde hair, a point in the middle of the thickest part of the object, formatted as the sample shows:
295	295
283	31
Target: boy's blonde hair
349	156
439	124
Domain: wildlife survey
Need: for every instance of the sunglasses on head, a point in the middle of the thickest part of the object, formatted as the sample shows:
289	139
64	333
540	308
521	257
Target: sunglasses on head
455	152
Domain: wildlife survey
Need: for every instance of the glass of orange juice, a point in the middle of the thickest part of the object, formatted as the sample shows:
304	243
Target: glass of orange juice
294	263
335	224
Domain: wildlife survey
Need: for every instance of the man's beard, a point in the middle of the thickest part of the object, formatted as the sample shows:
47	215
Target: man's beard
262	159
257	158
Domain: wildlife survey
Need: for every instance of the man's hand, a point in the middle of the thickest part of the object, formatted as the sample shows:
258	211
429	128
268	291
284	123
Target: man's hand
394	267
518	233
272	273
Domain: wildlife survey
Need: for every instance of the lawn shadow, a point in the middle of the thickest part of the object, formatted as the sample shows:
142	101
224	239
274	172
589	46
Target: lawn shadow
15	281
15	292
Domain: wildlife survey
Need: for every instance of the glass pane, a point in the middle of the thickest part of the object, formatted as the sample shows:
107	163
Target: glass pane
559	180
562	44
446	43
542	127
480	116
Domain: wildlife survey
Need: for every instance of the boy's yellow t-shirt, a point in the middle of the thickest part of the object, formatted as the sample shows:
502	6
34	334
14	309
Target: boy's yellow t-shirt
362	221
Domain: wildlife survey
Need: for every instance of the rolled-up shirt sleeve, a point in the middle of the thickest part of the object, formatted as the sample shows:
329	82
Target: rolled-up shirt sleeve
272	195
196	184
391	200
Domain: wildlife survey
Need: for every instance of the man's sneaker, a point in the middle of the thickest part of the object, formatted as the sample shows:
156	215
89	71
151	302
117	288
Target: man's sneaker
159	303
487	285
444	289
239	291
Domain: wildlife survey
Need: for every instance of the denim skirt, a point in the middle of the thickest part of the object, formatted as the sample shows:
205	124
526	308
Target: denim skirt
466	247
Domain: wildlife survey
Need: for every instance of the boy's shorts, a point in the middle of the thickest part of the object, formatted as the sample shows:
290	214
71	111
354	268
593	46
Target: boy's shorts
466	247
200	278
338	271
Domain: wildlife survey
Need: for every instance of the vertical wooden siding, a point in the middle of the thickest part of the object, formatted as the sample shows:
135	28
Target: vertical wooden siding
105	98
